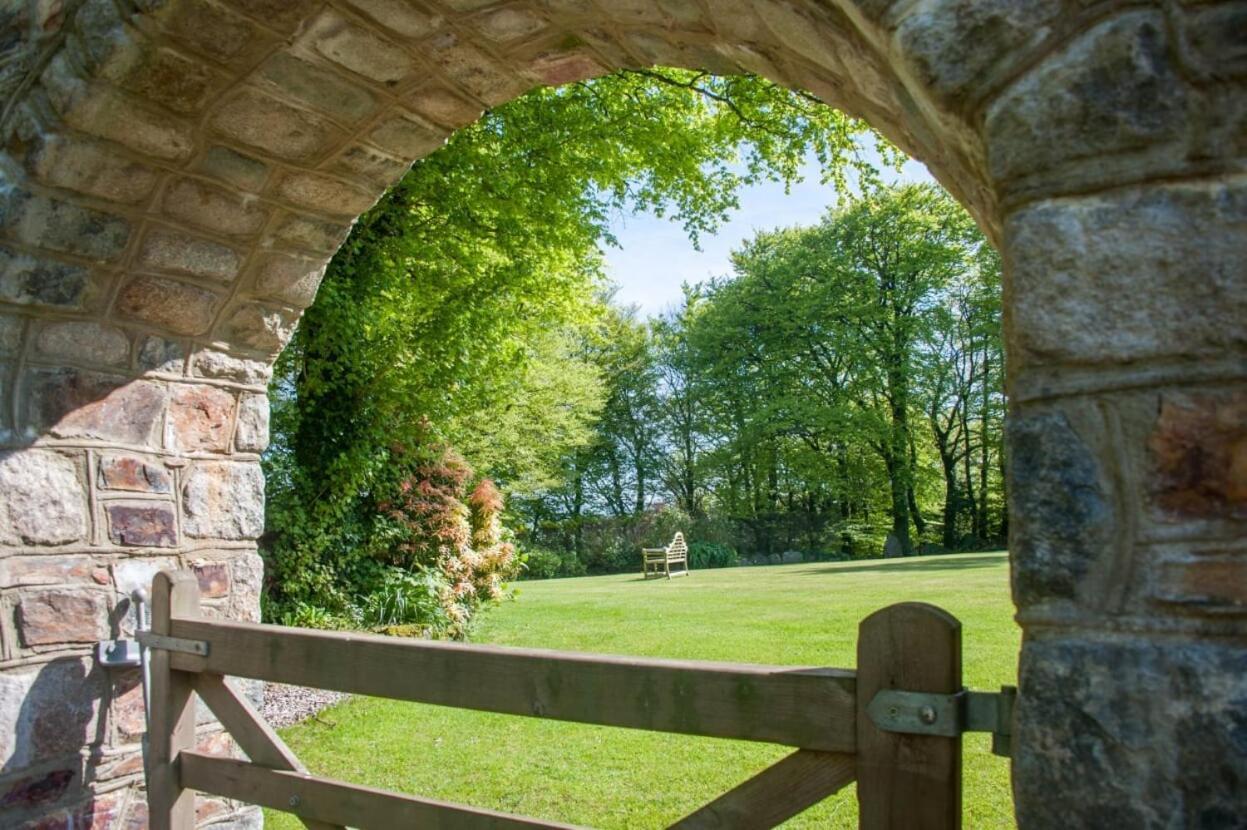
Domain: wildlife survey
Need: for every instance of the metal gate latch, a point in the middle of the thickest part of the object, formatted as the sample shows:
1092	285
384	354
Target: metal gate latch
928	713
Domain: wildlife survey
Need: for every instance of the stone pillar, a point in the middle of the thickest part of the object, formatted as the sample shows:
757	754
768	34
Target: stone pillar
1126	241
107	480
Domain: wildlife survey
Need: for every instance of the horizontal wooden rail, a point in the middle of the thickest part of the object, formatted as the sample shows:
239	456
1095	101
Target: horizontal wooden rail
336	802
800	707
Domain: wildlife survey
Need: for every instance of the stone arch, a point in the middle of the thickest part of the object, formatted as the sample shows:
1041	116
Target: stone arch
177	172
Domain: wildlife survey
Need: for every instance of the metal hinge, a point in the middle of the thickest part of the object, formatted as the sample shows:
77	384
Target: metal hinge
927	713
160	641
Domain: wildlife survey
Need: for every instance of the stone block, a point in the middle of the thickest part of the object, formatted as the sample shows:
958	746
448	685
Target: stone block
70	403
49	569
134	573
1206	584
10	333
54	616
233	168
958	47
83	340
175	306
283	15
7	427
443	106
1217	35
209	363
1134	732
133	474
557	67
180	253
106	113
407	138
317	88
399	16
166	77
326	194
157	354
25	280
76	163
1198	452
1112	90
290	279
126	712
127	762
34	791
472	69
207	206
357	49
213	578
1094	279
45	500
251	434
1061	519
372	165
310	234
49	711
212	29
212	809
261	121
510	23
247	583
49	223
200	419
142	525
223	500
258	327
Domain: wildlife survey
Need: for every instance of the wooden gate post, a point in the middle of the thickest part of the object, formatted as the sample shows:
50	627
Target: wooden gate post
172	719
905	781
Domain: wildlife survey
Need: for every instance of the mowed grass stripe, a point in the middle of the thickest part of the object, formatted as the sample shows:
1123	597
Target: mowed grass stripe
616	778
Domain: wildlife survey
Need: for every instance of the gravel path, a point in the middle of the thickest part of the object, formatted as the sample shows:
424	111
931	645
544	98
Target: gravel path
285	705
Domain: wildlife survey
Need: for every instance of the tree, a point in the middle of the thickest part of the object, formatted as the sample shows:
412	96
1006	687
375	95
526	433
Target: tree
825	325
431	322
681	387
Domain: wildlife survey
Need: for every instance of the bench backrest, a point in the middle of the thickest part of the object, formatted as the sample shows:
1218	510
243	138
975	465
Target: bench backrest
677	546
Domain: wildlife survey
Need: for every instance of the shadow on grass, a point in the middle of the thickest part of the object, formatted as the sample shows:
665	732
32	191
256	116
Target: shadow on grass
946	562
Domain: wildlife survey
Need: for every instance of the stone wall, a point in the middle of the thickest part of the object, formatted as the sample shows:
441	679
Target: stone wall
175	174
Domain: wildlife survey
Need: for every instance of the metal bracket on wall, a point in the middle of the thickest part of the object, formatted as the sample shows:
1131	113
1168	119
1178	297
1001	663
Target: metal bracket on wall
925	713
124	652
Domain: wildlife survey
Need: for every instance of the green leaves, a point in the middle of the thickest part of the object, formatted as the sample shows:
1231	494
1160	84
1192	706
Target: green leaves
457	310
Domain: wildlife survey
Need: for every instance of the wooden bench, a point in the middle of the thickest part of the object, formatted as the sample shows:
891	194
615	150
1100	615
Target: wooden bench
658	561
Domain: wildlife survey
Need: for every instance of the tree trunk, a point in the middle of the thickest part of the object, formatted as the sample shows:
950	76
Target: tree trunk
952	499
578	530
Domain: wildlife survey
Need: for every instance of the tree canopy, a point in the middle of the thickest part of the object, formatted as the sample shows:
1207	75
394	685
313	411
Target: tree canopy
843	384
466	309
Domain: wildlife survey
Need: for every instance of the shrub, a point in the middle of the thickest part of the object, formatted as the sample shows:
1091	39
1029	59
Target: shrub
406	598
711	555
302	614
541	563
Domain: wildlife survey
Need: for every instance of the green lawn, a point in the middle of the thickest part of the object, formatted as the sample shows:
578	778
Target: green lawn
605	777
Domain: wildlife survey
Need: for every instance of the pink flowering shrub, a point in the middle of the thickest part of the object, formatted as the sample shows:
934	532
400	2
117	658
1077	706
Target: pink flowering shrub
441	527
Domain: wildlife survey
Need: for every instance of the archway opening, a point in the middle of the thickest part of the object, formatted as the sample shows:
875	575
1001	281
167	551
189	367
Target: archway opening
177	174
436	283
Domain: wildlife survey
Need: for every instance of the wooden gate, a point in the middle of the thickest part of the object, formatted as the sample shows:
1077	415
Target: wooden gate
904	780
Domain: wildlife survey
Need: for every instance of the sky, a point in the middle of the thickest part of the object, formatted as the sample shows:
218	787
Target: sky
656	256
